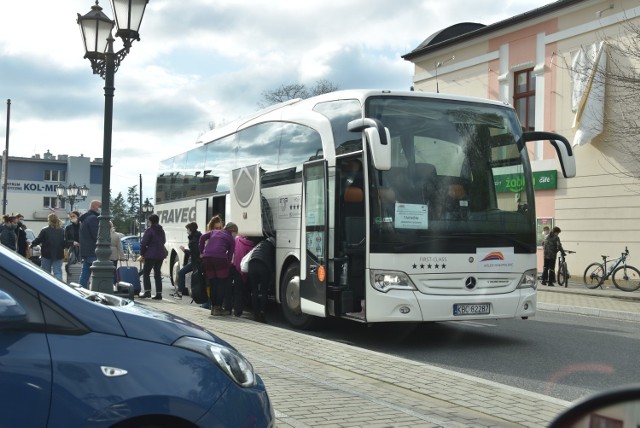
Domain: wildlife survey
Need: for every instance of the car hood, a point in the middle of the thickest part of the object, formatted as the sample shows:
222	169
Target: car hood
145	323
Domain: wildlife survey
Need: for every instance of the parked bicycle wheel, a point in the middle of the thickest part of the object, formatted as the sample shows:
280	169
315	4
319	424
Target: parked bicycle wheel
626	278
593	275
563	275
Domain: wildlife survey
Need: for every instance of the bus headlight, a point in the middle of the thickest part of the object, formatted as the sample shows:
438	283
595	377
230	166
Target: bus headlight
384	281
529	279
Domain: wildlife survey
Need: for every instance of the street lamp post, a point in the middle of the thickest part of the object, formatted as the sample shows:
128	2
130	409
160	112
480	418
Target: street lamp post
96	29
147	208
73	193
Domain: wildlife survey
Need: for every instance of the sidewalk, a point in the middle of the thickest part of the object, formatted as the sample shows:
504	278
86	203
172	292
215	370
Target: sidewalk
608	302
314	382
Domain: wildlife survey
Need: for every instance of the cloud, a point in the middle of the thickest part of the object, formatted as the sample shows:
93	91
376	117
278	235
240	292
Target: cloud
199	62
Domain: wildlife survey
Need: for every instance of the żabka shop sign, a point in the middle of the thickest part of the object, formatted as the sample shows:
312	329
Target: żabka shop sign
542	180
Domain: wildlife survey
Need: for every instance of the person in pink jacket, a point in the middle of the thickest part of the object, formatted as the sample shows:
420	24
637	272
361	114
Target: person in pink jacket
241	292
216	251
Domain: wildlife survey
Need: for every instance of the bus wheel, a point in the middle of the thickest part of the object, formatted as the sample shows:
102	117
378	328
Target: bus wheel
175	268
290	299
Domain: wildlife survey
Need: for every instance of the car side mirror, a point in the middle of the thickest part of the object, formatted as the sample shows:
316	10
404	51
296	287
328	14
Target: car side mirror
617	407
11	312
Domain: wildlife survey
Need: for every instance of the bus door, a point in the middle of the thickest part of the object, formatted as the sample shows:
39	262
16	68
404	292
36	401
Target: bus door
202	213
314	239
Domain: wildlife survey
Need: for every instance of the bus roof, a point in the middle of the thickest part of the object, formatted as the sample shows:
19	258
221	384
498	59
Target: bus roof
359	94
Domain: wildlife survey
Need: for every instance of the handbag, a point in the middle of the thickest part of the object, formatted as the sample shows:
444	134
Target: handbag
72	256
244	263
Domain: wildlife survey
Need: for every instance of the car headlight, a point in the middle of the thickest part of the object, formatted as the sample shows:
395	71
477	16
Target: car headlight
529	279
237	367
391	280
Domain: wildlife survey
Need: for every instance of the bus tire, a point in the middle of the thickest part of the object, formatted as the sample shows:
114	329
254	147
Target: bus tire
174	269
290	299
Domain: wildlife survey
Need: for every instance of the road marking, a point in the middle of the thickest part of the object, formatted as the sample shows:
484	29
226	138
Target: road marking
472	323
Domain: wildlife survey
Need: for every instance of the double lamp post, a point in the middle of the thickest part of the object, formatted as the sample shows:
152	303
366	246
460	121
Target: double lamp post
72	193
96	28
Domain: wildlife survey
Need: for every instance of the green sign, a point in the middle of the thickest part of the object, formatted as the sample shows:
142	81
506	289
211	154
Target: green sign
542	180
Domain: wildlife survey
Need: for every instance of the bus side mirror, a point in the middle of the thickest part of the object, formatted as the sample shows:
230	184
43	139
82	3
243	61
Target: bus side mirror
378	139
562	146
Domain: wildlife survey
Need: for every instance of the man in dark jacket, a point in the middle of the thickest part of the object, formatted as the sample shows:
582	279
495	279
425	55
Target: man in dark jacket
88	239
192	257
261	275
551	247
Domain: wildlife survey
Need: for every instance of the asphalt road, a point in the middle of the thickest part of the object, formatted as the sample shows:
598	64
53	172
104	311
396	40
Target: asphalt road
561	355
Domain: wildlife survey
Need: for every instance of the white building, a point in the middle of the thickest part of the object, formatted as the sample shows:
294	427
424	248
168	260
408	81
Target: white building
32	183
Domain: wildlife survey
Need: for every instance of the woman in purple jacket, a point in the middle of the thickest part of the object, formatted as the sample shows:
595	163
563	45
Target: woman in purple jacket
216	252
153	253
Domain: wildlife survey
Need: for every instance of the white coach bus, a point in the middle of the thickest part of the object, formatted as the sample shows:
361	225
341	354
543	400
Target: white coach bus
386	206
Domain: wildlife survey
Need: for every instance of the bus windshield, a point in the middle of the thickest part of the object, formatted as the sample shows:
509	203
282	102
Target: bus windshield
459	173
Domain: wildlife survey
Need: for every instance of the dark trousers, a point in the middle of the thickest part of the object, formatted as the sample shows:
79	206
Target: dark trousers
259	280
239	293
549	271
156	265
220	292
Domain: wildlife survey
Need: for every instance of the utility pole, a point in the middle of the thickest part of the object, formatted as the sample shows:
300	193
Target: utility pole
141	212
5	161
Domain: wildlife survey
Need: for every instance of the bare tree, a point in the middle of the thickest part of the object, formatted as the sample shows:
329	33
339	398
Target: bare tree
323	86
286	92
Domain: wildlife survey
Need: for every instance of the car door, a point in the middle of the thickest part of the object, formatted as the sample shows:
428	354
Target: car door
25	361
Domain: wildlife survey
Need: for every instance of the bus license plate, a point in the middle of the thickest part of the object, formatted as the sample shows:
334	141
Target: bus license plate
471	309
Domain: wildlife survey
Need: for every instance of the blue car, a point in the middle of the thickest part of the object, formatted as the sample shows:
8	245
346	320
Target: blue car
131	242
71	357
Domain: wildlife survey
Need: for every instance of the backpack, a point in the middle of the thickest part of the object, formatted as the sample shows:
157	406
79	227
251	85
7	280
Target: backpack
198	285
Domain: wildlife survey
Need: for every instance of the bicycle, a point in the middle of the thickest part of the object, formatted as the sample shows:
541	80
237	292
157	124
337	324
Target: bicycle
563	270
625	277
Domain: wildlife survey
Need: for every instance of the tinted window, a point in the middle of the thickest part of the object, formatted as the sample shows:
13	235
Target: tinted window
204	170
278	145
340	113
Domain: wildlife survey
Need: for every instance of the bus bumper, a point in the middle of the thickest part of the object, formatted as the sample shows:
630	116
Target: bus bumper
413	306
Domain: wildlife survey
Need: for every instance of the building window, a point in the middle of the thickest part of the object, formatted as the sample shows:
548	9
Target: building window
52	202
524	98
54	175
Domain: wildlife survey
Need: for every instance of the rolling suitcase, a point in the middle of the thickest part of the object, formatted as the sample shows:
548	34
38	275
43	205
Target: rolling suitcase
129	274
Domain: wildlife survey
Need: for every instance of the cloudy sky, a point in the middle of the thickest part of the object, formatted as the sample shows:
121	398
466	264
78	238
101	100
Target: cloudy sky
201	62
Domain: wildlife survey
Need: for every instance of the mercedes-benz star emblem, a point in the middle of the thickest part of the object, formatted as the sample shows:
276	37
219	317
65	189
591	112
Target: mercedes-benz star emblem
470	283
